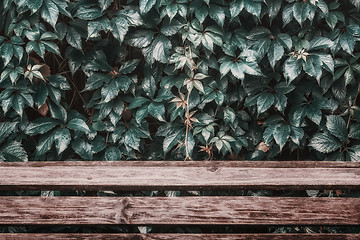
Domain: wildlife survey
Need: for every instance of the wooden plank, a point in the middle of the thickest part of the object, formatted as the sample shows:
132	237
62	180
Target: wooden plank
179	210
169	236
242	164
139	177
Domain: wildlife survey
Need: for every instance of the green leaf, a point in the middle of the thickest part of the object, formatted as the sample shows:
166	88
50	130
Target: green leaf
312	66
229	115
109	91
41	126
137	102
337	127
51	47
129	66
236	7
324	143
62	139
284	40
82	148
45	143
146	5
88	13
50	12
123	82
112	154
74	38
132	140
7	52
217	13
96	80
320	43
59	82
355	131
119	27
273	8
6	128
264	102
160	49
275	53
14	152
140	38
104	4
296	134
292	68
34	5
78	124
281	134
157	110
171	140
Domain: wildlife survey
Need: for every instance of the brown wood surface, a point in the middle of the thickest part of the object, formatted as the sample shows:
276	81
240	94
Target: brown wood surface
175	176
180	210
169	236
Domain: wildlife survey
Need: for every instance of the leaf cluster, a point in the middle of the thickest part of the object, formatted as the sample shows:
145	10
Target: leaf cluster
156	79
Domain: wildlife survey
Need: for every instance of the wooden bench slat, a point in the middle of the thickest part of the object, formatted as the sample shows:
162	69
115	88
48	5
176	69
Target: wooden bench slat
180	210
169	236
138	177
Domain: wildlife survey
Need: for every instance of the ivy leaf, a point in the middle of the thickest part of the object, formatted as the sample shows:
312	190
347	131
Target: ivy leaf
88	13
41	126
146	5
6	128
140	38
217	13
112	154
264	102
109	91
119	27
171	140
337	127
45	143
160	49
320	43
157	110
50	12
74	38
132	140
82	148
281	134
324	143
229	115
14	152
62	139
7	52
104	4
275	53
34	5
78	124
236	7
355	131
292	69
129	66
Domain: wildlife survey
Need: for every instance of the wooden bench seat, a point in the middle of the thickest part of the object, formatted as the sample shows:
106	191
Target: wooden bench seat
183	210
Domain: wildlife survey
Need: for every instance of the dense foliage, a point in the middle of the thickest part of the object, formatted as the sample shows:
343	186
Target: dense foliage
156	79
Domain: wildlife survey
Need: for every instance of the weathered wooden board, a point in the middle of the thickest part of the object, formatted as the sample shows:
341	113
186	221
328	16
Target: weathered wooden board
180	210
167	236
174	176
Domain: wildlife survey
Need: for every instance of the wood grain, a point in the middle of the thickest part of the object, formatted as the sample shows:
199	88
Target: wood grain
179	210
168	236
175	176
